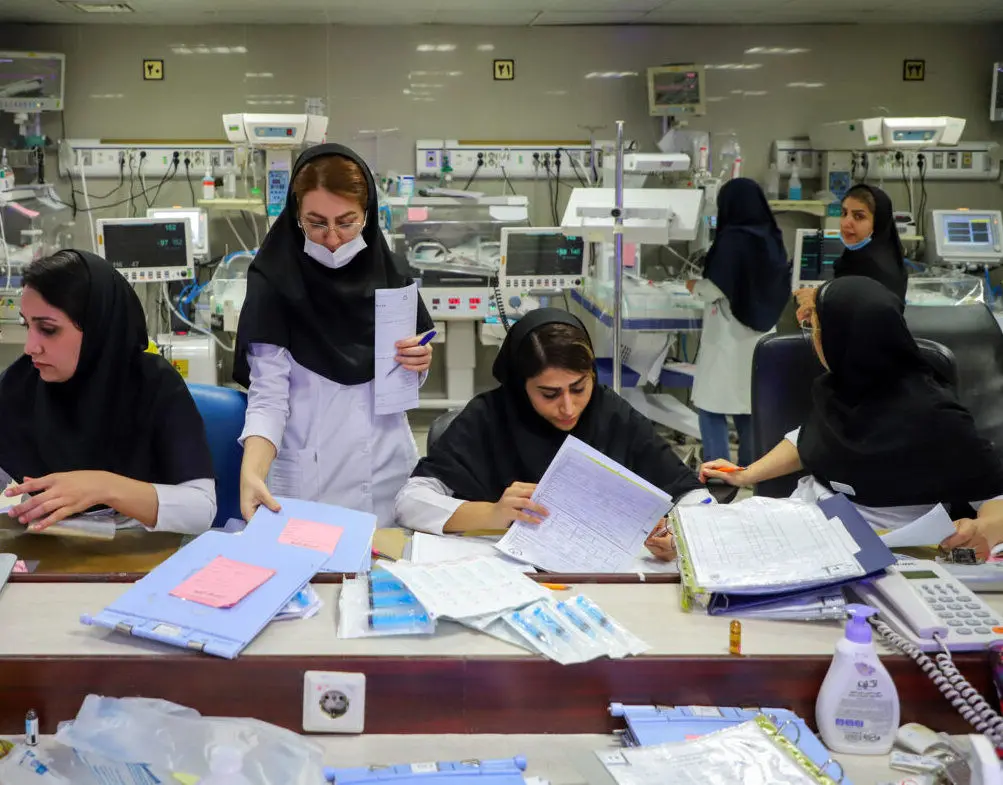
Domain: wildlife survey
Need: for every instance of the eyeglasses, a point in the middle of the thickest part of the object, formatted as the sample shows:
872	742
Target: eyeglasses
319	232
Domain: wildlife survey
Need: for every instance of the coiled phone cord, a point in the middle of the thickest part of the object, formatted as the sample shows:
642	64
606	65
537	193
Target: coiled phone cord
952	685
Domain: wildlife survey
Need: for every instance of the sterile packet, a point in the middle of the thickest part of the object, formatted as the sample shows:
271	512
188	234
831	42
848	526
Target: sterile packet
619	641
368	608
541	625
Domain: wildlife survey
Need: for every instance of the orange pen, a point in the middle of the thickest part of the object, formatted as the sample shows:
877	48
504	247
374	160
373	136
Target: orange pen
728	469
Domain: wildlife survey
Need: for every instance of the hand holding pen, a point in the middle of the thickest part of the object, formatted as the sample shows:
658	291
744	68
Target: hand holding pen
726	471
414	354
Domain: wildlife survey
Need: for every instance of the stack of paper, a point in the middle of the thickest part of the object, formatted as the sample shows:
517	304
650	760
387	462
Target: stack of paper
432	549
826	605
764	552
600	514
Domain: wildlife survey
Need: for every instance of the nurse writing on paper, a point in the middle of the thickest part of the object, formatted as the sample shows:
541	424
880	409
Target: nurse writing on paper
483	470
305	348
885	428
90	418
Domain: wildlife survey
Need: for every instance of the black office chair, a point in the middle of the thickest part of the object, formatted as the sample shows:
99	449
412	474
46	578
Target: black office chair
974	338
783	369
439	426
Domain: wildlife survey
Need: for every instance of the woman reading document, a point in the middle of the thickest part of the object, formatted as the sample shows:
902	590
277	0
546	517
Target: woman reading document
482	472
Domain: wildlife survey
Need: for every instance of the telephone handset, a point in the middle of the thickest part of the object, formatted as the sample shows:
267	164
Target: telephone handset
922	607
921	599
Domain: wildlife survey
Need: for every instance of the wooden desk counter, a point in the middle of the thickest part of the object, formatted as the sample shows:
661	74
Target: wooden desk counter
129	552
458	681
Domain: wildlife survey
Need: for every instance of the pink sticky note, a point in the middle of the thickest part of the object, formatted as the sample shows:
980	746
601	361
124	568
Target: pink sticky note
20	566
310	534
417	213
629	254
222	583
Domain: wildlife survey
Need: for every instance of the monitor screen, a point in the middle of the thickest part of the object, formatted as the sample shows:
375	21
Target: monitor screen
132	246
674	87
31	81
543	254
968	231
819	253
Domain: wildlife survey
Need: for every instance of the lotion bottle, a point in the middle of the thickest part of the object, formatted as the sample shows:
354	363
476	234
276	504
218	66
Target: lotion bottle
857	711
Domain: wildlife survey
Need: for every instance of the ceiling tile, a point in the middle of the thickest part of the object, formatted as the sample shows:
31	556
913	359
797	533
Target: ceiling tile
508	18
588	18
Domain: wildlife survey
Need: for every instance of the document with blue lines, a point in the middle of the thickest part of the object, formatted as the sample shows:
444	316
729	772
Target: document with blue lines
600	515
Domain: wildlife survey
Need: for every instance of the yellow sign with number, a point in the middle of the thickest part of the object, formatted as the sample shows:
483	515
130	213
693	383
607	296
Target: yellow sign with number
181	366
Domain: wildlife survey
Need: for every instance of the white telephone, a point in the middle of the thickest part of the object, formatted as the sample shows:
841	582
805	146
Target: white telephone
922	607
921	599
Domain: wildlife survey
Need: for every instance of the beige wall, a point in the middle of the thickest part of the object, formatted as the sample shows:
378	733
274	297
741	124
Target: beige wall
361	72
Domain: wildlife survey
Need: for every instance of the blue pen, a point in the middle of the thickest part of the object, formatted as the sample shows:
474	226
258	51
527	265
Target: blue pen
424	340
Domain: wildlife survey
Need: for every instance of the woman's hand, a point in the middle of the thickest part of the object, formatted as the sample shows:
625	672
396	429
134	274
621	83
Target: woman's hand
969	534
254	493
661	543
60	496
720	469
806	302
516	504
413	357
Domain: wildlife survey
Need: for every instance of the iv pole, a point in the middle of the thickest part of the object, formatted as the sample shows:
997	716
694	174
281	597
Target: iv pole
617	214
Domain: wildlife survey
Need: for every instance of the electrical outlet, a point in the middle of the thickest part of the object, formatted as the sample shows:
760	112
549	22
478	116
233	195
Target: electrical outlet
334	702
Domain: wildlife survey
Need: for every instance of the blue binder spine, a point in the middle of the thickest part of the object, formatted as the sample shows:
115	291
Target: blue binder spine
476	772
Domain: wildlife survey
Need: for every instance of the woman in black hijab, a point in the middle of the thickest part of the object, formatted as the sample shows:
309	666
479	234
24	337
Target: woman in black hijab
746	284
873	248
305	347
90	418
483	470
885	428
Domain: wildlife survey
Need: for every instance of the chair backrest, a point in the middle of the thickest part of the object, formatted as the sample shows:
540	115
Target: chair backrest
222	410
973	335
439	426
783	369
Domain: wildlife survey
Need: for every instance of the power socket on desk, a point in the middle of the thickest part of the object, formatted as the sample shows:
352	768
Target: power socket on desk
334	702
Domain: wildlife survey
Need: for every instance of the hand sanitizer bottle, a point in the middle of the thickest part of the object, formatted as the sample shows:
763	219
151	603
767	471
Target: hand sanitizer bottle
794	185
857	710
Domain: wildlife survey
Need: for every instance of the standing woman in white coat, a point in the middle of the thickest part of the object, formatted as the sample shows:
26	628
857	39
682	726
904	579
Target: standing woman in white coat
305	348
746	284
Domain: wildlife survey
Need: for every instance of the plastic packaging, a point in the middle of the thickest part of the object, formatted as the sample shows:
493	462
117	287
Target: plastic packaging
794	185
23	765
230	185
379	604
773	183
857	710
173	738
225	767
608	627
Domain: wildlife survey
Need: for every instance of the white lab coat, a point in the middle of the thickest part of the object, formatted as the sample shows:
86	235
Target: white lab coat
723	379
332	446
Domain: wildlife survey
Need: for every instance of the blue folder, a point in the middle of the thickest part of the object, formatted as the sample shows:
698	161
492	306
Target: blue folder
873	555
147	609
355	547
650	725
506	771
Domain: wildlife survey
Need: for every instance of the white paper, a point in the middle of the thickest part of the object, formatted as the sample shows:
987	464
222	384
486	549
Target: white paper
466	589
396	319
431	548
930	529
600	515
763	544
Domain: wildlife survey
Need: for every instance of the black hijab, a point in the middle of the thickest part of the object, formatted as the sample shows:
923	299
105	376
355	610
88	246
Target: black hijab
882	258
747	261
499	439
124	410
883	421
324	317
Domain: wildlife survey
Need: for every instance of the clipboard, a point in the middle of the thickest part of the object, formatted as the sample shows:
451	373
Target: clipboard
147	609
872	555
355	546
504	771
650	725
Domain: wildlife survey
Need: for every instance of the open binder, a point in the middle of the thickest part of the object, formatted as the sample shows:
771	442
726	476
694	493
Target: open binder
872	555
147	609
772	747
649	725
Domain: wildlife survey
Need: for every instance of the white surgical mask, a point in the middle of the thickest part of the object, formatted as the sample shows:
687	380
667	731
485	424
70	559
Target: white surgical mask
339	257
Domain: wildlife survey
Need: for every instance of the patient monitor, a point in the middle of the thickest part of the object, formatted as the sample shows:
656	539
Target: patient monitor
815	254
196	217
541	260
967	237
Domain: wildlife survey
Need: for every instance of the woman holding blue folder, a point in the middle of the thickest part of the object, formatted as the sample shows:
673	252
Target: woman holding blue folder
885	429
90	418
483	470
